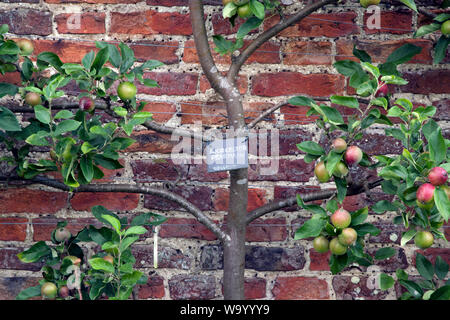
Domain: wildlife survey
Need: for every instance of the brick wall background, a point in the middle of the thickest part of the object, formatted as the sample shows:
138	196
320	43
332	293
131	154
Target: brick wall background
298	61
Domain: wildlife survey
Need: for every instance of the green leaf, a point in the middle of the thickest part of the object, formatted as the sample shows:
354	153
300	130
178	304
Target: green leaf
120	111
404	53
66	126
8	120
386	281
29	293
301	101
385	253
50	58
127	57
441	268
412	287
247	26
349	102
114	222
107	163
38	139
341	186
229	10
366	228
101	264
401	274
440	49
426	29
87	168
424	267
436	142
135	230
311	228
128	241
332	115
443	293
409	3
8	89
338	263
358	217
42	114
258	9
64	114
314	208
311	147
407	236
131	279
88	59
442	202
361	55
35	252
383	206
371	69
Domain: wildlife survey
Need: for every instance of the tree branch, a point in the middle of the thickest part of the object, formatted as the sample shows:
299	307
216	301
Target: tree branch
127	188
266	113
273	31
320	195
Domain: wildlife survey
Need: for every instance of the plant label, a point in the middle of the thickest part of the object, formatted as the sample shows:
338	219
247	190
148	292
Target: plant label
227	154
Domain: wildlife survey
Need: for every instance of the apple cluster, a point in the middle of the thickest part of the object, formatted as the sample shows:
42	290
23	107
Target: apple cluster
352	156
243	10
338	245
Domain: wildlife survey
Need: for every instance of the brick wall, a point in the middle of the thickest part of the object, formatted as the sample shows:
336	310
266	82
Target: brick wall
190	258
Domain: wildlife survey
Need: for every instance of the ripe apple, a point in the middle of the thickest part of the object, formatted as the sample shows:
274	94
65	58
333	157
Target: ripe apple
109	258
424	239
87	104
26	47
126	90
348	236
425	193
353	155
321	172
438	176
341	218
382	91
321	243
49	290
337	248
445	28
340	170
33	99
244	11
75	260
366	3
62	234
63	292
339	145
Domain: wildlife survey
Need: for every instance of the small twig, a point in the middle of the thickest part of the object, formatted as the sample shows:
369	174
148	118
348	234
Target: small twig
263	115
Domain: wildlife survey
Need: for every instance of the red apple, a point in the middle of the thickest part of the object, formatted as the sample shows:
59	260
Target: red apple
348	236
353	155
337	248
438	176
321	172
341	218
425	193
87	104
382	91
339	145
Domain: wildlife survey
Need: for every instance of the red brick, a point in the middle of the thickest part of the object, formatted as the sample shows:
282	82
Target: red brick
223	26
289	83
209	113
190	54
380	50
432	253
254	288
10	287
398	22
151	22
426	82
192	287
366	288
256	198
307	52
116	201
242	84
27	21
11	77
171	83
281	193
94	1
297	114
153	289
300	288
164	51
266	230
13	229
288	170
162	112
267	53
170	3
89	23
185	228
319	261
319	25
151	142
168	257
68	51
43	227
198	195
9	260
23	200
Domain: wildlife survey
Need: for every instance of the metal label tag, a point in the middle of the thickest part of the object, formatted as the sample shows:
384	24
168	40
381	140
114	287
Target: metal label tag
227	154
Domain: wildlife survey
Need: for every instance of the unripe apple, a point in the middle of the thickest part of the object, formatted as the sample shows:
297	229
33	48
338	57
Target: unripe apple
126	90
348	236
244	11
353	155
382	91
321	172
438	176
340	170
33	99
87	104
225	2
341	218
337	248
49	290
109	258
366	3
339	145
26	46
424	239
426	206
321	244
62	234
425	193
75	260
445	28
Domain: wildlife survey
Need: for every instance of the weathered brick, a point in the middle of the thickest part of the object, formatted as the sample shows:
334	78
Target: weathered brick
366	288
161	111
297	115
13	229
256	198
164	51
94	1
200	196
185	228
319	25
289	83
69	51
282	192
300	288
27	21
153	289
168	257
432	253
192	287
170	83
81	23
319	261
10	287
9	260
241	82
393	22
307	52
151	142
116	201
266	230
204	113
22	200
43	227
283	170
254	288
426	82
